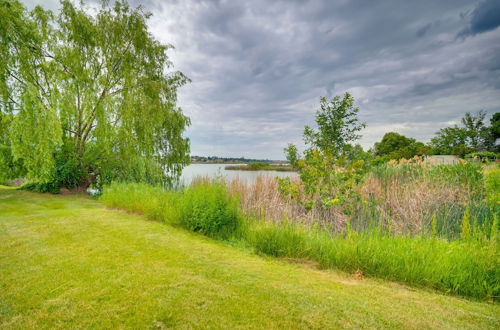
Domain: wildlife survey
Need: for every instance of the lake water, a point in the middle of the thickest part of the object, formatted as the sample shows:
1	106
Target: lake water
214	170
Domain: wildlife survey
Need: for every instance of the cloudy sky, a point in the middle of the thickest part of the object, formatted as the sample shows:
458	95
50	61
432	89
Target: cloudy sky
259	67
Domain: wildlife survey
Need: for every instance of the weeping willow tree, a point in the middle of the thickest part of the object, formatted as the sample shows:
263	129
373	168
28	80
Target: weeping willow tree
88	98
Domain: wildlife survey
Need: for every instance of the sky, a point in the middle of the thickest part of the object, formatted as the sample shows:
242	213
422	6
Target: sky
258	68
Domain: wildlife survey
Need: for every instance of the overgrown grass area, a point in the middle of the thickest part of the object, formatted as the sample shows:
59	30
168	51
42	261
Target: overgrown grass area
68	262
469	266
466	268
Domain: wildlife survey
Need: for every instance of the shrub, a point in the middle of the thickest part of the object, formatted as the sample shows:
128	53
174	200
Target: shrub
42	187
208	208
483	156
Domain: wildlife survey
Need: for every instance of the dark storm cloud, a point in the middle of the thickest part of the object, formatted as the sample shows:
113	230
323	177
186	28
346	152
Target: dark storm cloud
485	17
259	67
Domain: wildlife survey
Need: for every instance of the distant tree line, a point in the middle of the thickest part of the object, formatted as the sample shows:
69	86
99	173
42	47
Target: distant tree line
224	160
473	136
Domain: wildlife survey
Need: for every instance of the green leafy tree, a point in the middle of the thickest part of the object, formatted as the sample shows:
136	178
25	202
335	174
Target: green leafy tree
397	146
329	164
89	95
9	168
473	136
478	134
392	142
495	131
495	125
451	141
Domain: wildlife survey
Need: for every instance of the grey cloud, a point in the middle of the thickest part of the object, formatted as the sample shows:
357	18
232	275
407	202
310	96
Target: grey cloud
259	67
485	17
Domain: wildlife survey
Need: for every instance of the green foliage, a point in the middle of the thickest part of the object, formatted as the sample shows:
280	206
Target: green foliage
492	186
494	229
279	241
258	165
42	187
288	189
397	146
10	168
292	155
330	165
473	136
337	123
483	156
466	225
495	125
95	84
154	202
208	209
434	226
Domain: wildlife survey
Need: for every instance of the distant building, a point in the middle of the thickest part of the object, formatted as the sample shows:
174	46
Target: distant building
442	160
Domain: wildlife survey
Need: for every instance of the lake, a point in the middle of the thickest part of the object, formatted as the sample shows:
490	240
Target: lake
213	170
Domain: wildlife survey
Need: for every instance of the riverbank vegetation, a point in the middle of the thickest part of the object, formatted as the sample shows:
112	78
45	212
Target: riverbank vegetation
442	235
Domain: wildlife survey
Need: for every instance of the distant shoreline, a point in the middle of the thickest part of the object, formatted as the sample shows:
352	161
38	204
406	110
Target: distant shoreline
279	168
216	162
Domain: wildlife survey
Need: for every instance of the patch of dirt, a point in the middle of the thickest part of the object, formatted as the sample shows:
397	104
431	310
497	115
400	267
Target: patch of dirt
17	182
358	275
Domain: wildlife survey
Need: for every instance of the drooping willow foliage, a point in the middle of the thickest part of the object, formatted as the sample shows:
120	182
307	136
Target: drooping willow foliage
87	96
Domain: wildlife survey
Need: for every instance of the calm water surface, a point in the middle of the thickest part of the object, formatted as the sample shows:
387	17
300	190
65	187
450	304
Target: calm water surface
214	170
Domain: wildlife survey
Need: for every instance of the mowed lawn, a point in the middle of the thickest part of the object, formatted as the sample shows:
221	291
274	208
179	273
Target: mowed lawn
68	262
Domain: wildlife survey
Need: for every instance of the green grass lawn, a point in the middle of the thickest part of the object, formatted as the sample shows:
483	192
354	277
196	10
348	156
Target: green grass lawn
68	262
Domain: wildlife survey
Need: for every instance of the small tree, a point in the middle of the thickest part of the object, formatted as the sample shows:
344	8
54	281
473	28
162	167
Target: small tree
328	167
397	146
89	96
473	136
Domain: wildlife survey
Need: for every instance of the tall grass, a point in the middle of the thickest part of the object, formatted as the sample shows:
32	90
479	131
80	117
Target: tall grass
206	207
420	225
154	202
401	198
408	196
468	268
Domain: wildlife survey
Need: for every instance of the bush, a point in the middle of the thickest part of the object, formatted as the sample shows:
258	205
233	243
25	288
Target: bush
483	156
42	187
208	209
68	173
